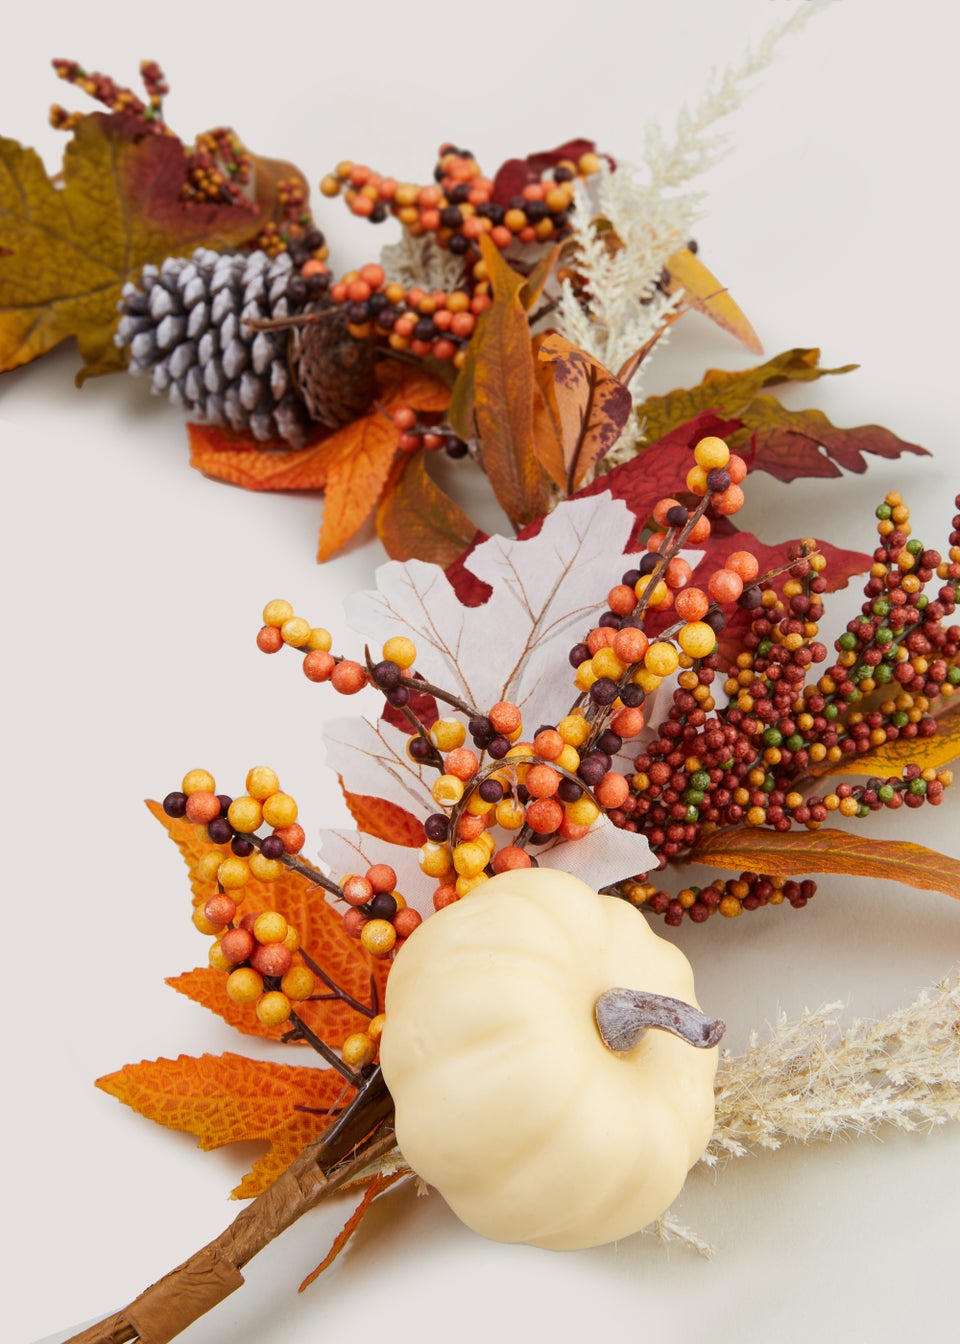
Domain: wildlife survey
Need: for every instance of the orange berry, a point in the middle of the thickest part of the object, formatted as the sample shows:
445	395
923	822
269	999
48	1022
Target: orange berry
548	744
613	790
737	468
745	564
348	677
372	274
504	717
700	530
678	573
318	665
621	599
630	644
269	639
544	815
381	877
692	604
601	638
356	890
662	508
202	806
729	501
627	722
462	763
541	781
725	585
509	858
293	837
501	236
353	922
471	824
445	895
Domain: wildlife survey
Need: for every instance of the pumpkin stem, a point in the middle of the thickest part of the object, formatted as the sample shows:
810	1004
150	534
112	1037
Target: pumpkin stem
624	1015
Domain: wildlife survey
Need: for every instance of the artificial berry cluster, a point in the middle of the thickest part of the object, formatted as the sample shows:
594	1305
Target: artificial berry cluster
752	762
114	96
459	206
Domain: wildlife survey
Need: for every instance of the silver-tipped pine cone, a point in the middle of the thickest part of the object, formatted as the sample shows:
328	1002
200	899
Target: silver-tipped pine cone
195	326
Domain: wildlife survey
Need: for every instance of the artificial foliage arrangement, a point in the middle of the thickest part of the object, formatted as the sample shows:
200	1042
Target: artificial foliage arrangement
552	726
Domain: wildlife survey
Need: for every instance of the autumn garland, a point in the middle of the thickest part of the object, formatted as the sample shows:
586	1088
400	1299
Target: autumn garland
544	417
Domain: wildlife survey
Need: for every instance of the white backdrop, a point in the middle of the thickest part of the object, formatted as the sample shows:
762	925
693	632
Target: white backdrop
133	587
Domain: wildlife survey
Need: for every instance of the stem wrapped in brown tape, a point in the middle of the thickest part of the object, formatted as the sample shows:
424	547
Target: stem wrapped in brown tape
181	1297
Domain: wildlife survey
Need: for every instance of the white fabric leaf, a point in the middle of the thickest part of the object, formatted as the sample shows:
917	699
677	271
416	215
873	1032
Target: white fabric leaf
548	592
371	758
604	855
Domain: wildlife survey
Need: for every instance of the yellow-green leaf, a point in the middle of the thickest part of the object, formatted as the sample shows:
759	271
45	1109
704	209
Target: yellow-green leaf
830	851
930	753
66	252
729	393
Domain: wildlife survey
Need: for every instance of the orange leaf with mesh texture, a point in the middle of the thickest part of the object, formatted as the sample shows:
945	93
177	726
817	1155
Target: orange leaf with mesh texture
228	1099
322	936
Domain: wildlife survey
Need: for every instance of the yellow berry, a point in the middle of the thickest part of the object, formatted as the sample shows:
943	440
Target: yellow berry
274	1008
233	873
291	938
574	730
510	814
697	638
295	631
202	924
216	958
209	865
298	983
607	664
661	658
320	639
464	885
400	650
378	936
198	781
435	860
276	612
583	812
270	927
375	1026
245	814
448	734
711	452
279	810
447	790
244	985
264	870
569	759
261	782
469	858
358	1050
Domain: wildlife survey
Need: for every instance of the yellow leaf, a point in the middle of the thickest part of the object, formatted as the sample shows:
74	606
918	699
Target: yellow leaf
705	293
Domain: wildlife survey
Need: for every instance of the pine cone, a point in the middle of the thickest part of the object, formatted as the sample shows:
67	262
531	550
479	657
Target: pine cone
333	371
188	325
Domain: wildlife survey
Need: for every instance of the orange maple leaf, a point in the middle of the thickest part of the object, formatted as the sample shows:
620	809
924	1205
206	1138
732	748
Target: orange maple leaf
342	958
382	1181
385	820
227	1099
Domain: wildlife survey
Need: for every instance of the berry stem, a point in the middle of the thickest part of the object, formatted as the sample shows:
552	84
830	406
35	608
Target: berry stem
338	992
301	1032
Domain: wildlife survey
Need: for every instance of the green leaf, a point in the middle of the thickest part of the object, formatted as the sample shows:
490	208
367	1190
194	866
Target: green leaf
829	851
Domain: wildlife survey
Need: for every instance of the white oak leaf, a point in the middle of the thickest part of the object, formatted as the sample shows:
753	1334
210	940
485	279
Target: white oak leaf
547	593
372	759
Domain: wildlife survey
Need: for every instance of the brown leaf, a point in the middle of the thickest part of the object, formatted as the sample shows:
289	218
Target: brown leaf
930	753
379	1183
729	393
65	253
788	444
704	292
591	405
503	395
830	851
416	519
383	819
229	1099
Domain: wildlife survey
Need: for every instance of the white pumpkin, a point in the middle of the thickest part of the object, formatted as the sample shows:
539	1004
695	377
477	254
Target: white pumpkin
507	1099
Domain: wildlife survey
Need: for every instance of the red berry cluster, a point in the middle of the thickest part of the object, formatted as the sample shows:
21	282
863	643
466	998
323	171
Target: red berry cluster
114	96
729	897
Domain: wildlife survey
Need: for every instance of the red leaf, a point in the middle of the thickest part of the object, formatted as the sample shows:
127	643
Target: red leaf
788	444
515	174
